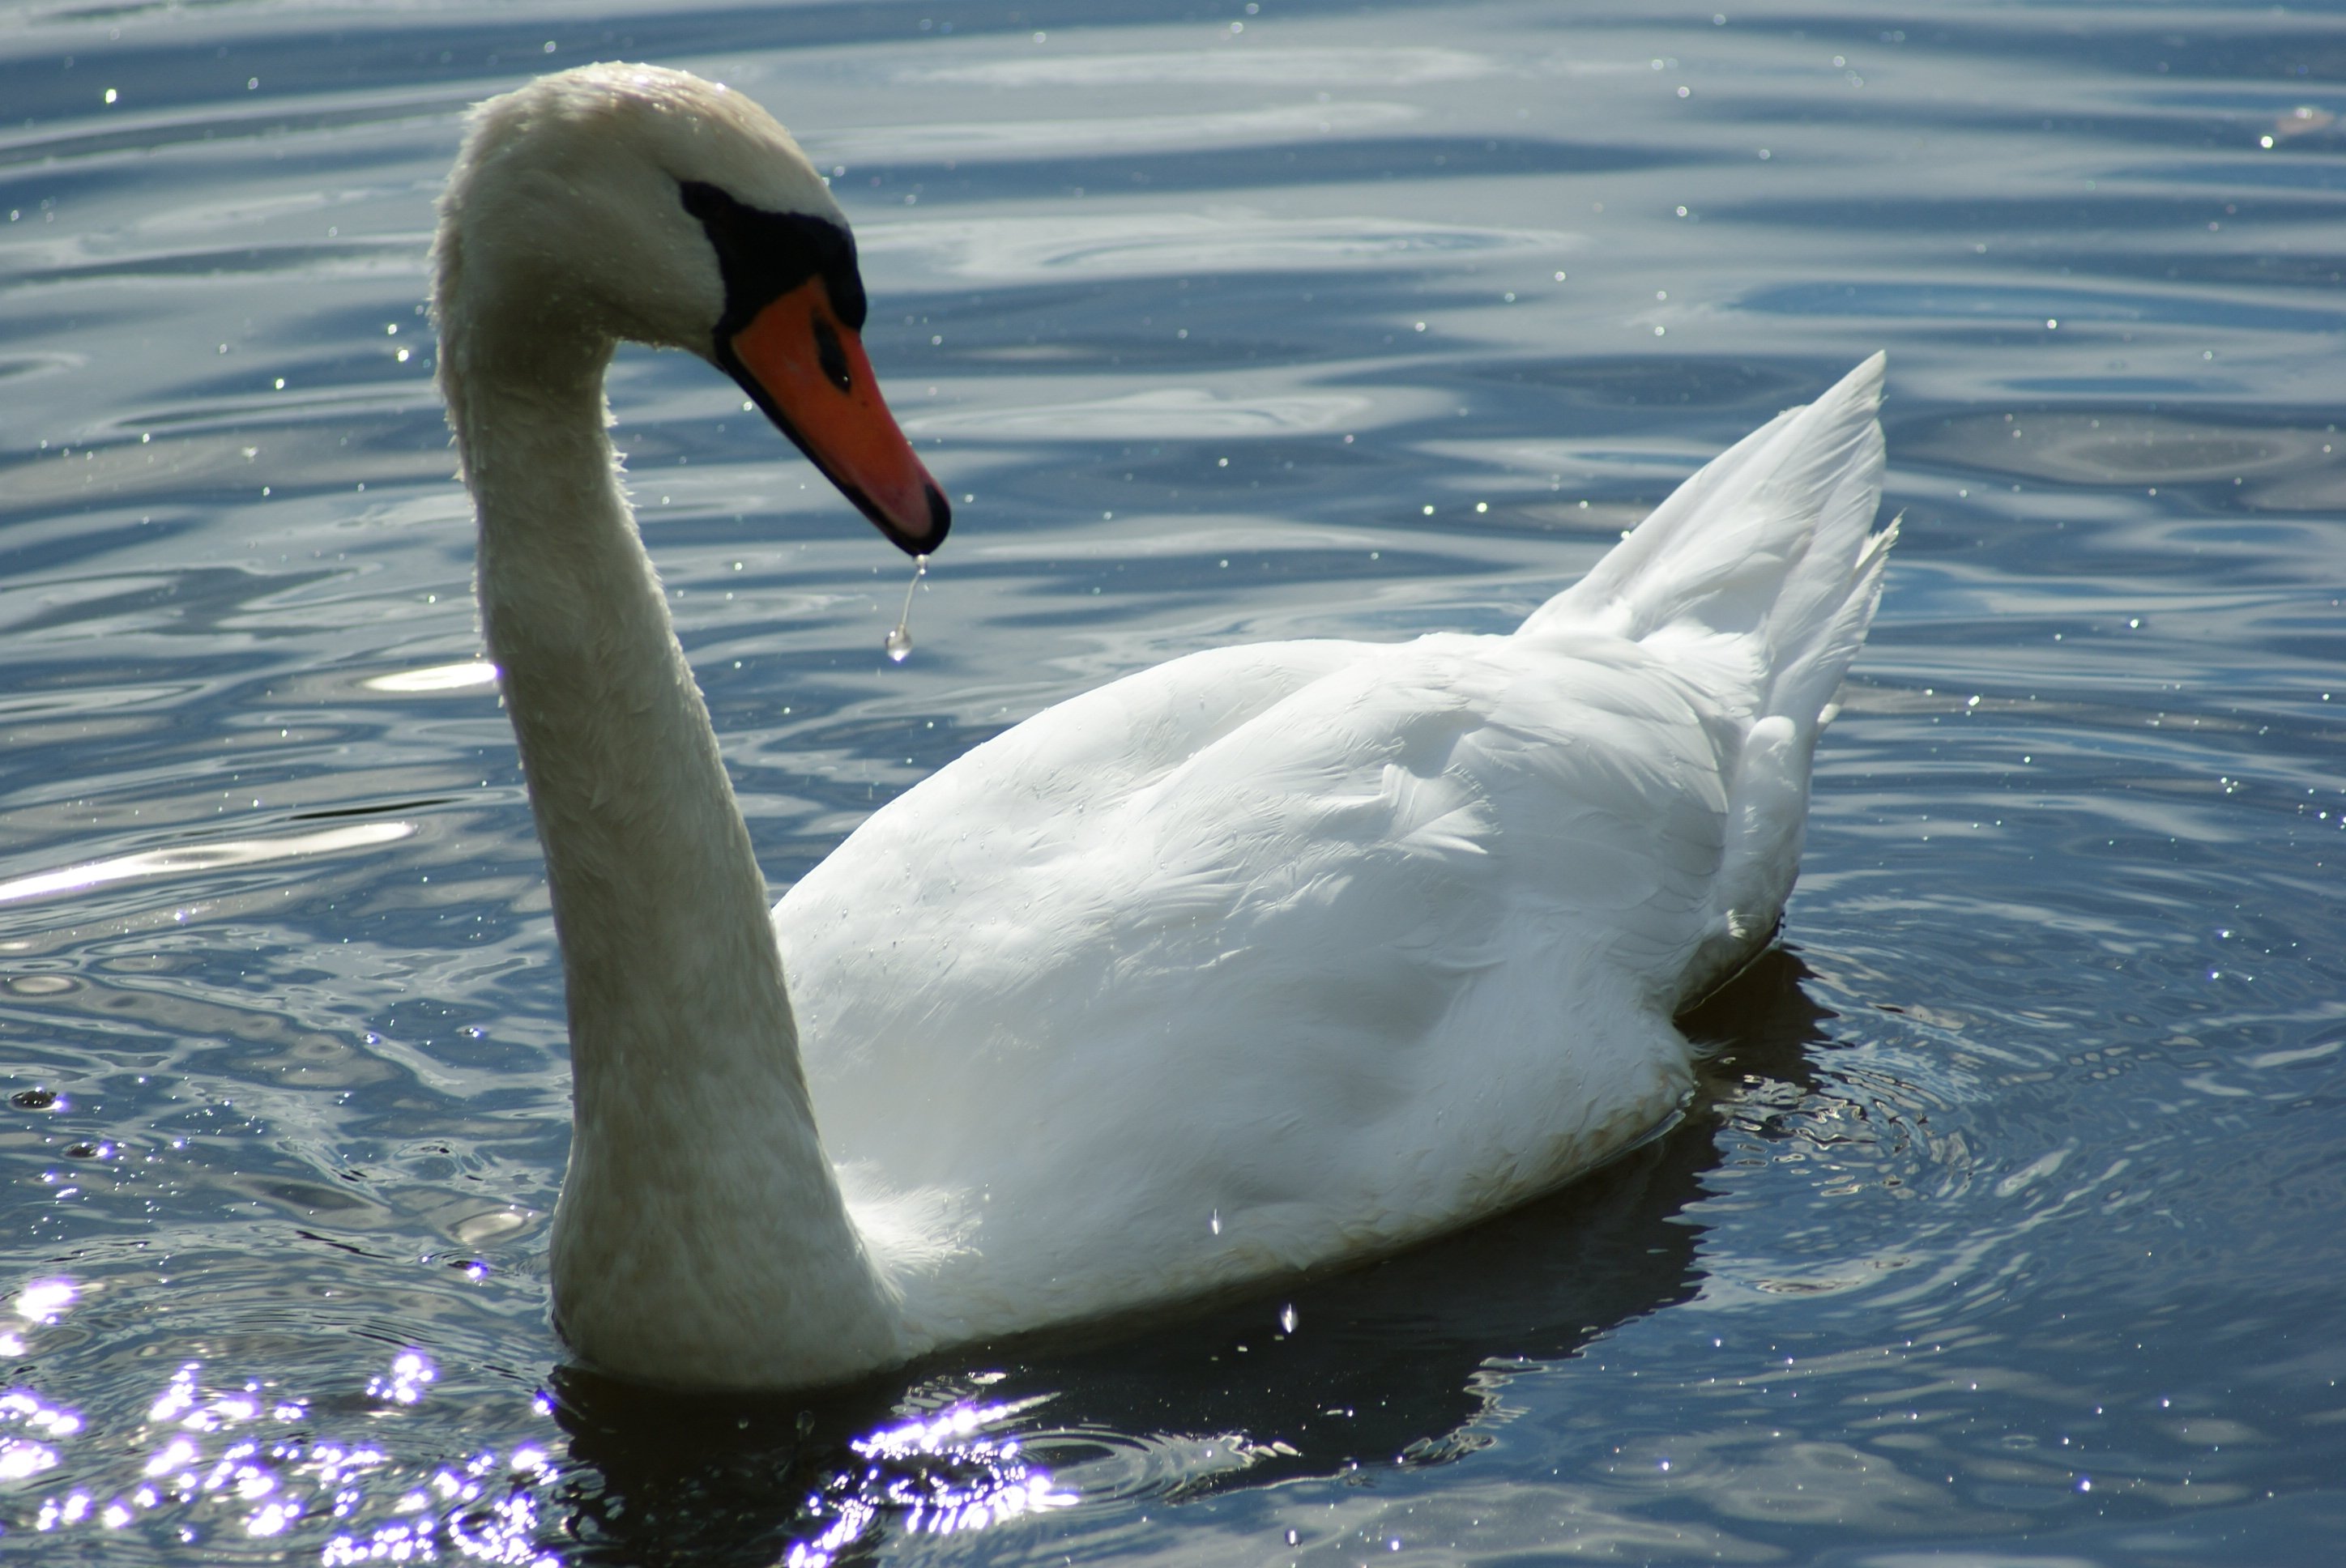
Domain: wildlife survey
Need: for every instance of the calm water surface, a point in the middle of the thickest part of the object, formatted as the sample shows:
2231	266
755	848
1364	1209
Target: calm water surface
2006	1229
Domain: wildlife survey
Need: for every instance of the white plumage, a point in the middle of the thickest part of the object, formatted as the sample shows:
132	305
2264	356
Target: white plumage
1277	954
1262	960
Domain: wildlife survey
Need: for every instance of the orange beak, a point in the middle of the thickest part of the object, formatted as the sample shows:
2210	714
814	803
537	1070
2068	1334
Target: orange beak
807	369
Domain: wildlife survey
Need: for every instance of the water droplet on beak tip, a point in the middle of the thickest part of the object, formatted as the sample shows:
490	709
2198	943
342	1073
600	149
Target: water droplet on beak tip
899	640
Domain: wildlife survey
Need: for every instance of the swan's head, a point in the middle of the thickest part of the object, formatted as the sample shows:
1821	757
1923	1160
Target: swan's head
626	202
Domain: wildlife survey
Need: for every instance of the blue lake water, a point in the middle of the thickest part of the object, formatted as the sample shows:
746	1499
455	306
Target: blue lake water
2005	1231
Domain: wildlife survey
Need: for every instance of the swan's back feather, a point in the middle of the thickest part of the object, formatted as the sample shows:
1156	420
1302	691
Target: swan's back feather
1273	955
1256	989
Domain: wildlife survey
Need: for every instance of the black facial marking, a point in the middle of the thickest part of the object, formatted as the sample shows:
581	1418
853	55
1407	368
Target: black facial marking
764	255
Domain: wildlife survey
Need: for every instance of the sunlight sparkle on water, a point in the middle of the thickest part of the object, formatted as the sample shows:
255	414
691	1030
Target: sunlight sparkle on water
210	856
205	1460
437	677
44	1300
404	1383
939	1475
26	1455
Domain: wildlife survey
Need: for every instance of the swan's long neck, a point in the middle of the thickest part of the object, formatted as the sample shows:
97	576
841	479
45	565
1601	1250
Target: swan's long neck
700	1236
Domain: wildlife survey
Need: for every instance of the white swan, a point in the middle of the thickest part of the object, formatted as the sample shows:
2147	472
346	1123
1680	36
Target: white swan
1266	959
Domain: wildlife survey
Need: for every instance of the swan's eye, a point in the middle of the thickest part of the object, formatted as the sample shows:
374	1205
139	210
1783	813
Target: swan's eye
830	355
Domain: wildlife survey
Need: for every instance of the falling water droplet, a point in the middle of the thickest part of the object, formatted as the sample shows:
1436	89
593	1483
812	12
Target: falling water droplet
1215	1220
1287	1317
899	641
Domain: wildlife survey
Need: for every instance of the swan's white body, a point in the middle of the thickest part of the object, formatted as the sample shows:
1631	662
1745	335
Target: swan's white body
1262	960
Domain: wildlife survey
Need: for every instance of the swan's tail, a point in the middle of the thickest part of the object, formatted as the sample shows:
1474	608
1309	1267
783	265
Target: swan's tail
1760	575
1764	554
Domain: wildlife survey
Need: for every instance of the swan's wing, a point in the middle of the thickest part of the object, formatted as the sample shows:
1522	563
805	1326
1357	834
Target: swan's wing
1326	944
